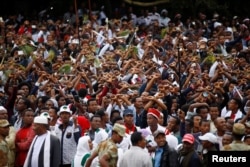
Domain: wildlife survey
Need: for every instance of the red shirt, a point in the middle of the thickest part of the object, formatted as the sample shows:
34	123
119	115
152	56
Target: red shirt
23	141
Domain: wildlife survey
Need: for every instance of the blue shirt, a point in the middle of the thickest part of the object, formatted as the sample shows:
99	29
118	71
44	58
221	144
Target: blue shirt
157	159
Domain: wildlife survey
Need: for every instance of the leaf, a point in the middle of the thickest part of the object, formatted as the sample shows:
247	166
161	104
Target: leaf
210	58
123	33
27	49
135	50
51	56
65	69
97	63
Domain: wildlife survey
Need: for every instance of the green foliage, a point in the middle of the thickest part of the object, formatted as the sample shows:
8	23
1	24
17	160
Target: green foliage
65	69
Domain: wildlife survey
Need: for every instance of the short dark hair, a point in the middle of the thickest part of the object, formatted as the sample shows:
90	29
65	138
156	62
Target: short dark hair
237	101
95	116
101	112
114	111
198	110
204	120
43	99
55	108
43	108
177	119
89	100
215	105
135	138
119	118
27	110
26	101
20	85
192	118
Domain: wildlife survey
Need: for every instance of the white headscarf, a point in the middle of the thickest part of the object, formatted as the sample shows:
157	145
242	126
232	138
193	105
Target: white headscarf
83	146
82	152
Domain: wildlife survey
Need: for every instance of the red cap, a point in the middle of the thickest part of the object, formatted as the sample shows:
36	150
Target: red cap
156	113
188	138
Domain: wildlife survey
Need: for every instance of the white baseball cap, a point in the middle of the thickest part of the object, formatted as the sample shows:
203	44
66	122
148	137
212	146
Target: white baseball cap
209	137
64	108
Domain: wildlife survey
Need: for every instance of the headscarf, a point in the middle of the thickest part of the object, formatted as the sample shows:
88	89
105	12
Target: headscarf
83	146
82	152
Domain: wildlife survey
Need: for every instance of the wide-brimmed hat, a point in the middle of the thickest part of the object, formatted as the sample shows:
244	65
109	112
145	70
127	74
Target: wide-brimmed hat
4	123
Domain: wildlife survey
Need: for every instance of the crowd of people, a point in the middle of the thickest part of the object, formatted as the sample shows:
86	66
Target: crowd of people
135	90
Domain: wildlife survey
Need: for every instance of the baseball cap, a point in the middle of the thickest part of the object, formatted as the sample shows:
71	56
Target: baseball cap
209	137
188	138
45	114
120	129
4	123
127	112
156	133
64	108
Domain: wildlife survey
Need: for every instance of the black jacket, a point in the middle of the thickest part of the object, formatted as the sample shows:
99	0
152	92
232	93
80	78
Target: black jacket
169	157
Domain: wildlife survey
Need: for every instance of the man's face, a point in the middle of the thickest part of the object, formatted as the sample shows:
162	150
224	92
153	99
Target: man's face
92	107
128	119
28	117
160	139
21	105
214	112
187	147
227	139
138	103
171	124
205	127
143	97
61	101
4	131
65	116
206	144
118	138
221	124
203	113
25	88
37	128
151	120
106	117
3	114
52	113
188	127
197	120
96	123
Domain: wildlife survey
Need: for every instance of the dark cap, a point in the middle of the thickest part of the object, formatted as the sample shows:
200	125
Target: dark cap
156	133
128	112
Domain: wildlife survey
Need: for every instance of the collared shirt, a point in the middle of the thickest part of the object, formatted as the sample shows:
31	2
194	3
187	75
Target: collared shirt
157	159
